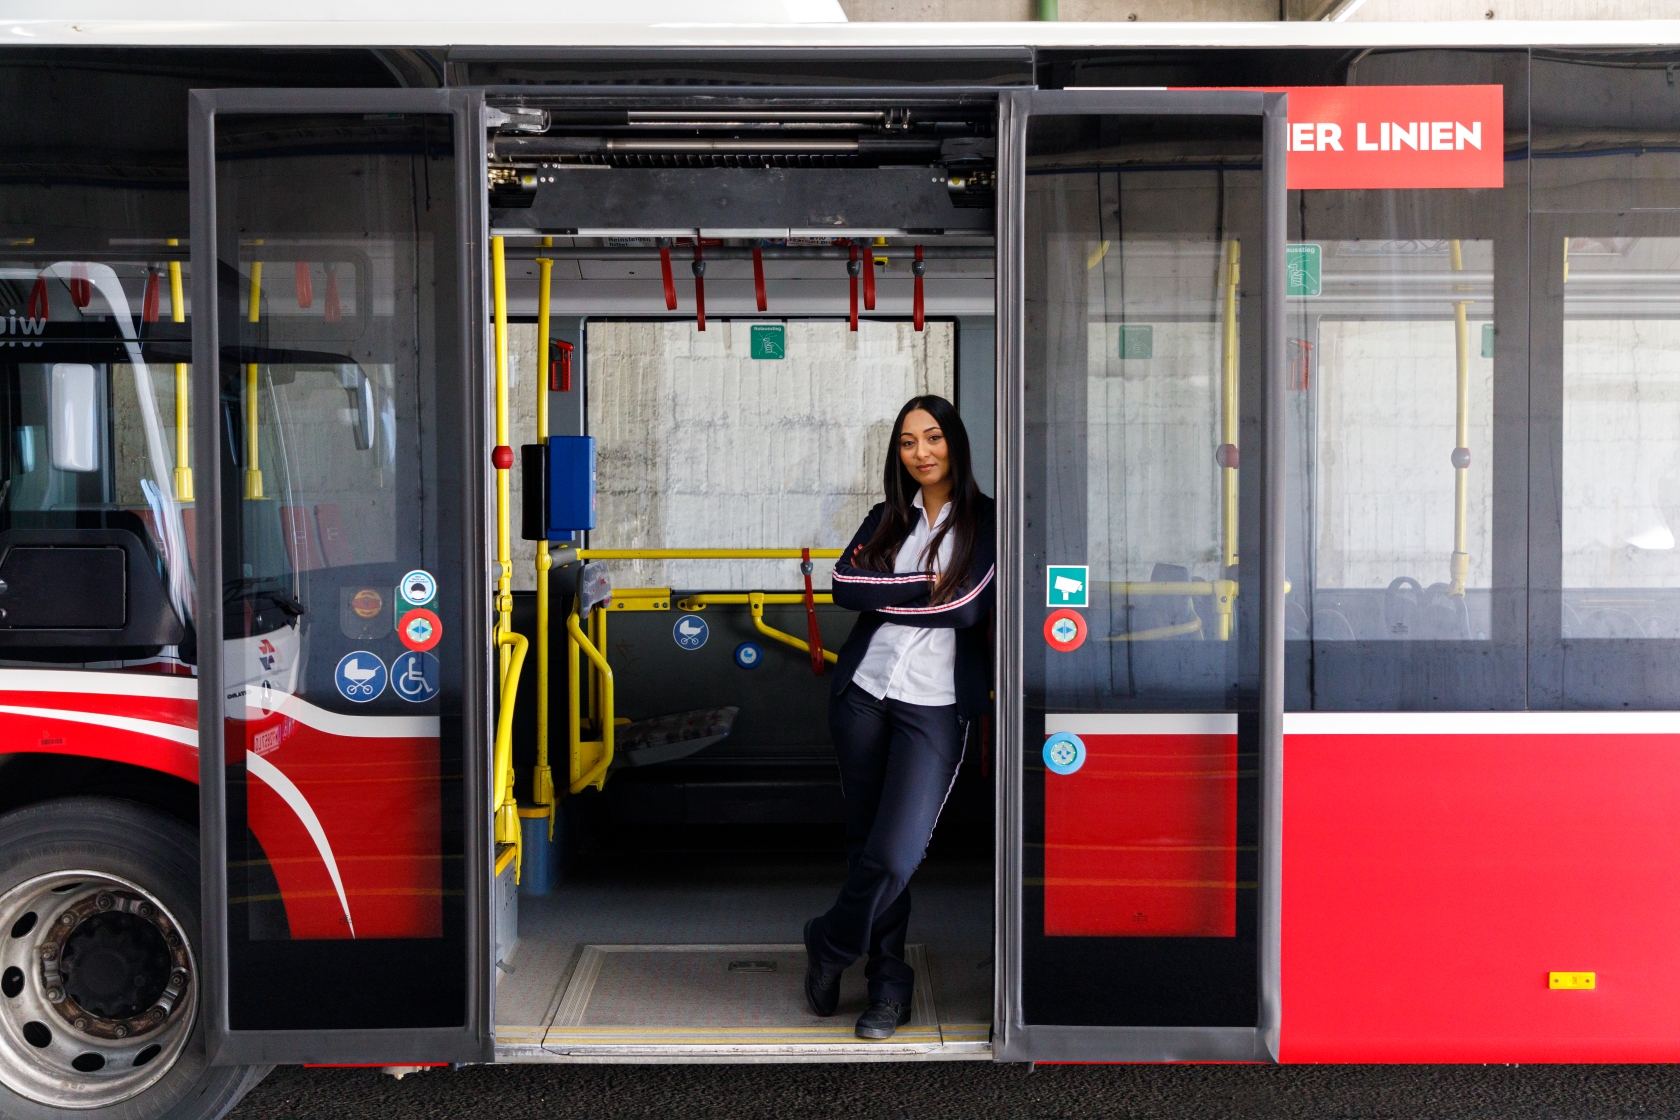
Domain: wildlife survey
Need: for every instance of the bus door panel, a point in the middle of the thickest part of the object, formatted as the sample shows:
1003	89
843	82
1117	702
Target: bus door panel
1140	638
338	415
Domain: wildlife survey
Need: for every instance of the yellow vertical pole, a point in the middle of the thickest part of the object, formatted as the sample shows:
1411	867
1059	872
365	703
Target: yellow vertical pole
542	781
1461	451
504	543
1229	417
574	713
183	383
253	465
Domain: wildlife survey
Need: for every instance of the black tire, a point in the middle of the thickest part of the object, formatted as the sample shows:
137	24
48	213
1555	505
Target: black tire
159	855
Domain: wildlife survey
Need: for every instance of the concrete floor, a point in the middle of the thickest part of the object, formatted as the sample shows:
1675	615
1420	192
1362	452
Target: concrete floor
970	1090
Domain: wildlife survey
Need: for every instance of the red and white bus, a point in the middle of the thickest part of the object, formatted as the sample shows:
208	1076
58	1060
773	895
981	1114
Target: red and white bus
412	434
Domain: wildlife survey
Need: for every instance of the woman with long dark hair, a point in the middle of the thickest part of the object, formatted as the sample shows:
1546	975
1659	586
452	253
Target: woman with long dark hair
910	681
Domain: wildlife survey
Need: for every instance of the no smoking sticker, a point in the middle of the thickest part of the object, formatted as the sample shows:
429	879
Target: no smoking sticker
1065	630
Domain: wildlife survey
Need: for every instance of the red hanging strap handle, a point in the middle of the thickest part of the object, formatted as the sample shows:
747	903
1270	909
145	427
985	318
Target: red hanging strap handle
869	280
699	288
918	268
853	267
305	286
812	630
758	279
670	281
149	301
332	312
81	289
38	305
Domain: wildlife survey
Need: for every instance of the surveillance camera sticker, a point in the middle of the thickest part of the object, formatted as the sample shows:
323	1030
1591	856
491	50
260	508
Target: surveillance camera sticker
690	632
1067	585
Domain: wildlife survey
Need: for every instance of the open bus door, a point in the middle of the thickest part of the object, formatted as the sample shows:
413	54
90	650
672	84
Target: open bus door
1140	610
339	439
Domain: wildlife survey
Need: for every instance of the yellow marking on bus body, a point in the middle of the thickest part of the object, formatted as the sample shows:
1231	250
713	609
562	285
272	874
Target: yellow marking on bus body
1573	981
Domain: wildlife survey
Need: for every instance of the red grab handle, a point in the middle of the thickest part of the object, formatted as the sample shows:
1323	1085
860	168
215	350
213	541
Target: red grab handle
670	281
332	311
758	279
869	280
813	632
149	301
918	267
305	286
699	288
81	290
38	305
853	267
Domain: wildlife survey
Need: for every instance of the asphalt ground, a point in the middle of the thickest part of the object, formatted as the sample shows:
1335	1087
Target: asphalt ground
966	1090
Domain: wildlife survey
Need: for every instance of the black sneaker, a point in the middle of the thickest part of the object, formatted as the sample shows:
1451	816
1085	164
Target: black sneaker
822	990
882	1019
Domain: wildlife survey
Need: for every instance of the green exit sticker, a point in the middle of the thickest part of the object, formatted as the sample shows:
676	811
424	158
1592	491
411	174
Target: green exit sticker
1487	340
769	342
1305	263
1137	341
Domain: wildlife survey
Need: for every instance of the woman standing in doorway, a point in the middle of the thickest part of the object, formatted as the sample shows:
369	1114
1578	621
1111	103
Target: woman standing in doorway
909	683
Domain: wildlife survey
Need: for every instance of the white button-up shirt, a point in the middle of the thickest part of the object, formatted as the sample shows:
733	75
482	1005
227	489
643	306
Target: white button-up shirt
914	664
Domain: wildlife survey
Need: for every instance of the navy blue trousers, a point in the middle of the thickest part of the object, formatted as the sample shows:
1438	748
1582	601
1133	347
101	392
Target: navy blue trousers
898	762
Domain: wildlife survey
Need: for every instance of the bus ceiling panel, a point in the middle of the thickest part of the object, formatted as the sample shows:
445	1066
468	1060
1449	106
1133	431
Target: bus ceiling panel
838	69
907	199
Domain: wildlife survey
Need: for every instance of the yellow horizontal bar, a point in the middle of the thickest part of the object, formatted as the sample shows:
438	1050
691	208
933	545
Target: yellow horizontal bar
1157	633
728	599
507	855
1140	588
705	553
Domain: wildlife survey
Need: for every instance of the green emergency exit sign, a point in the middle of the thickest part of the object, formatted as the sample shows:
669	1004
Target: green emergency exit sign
1304	262
1137	340
769	342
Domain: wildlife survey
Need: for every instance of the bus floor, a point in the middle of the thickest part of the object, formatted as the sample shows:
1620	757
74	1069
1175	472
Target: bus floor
681	956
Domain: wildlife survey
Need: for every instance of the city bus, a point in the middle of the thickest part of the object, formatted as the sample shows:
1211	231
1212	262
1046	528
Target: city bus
533	377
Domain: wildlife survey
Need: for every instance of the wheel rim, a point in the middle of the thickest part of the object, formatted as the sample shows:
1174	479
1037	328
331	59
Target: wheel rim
98	989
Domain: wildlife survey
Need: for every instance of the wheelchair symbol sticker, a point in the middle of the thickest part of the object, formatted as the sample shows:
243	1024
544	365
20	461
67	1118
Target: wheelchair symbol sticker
1064	752
414	677
360	676
690	632
748	655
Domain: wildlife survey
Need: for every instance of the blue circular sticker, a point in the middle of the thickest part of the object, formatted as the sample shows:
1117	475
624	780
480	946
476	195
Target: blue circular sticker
360	676
690	632
748	655
1064	752
415	676
418	588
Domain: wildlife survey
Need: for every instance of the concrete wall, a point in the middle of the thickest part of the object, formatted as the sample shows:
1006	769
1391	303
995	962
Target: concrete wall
700	446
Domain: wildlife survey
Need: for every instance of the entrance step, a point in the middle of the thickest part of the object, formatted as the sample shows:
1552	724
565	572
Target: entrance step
724	1002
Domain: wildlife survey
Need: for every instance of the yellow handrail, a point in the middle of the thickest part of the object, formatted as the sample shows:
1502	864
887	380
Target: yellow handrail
542	778
183	456
504	543
1224	592
506	808
597	774
1461	474
707	554
1228	392
756	600
1156	633
253	463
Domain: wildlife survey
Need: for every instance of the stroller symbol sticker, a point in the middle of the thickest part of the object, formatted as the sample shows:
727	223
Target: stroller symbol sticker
414	676
360	676
690	632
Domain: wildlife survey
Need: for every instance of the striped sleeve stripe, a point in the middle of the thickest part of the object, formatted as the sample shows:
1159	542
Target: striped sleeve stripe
911	577
943	607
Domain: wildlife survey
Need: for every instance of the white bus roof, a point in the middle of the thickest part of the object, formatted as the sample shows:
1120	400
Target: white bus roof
647	24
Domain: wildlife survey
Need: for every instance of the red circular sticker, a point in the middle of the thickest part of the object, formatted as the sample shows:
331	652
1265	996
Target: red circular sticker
1065	630
420	629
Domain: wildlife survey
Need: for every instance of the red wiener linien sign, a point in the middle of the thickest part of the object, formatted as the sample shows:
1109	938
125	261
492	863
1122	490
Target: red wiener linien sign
1395	137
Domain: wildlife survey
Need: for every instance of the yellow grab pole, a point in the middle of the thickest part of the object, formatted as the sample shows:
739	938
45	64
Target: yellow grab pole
183	449
755	601
253	465
542	780
1228	386
574	712
597	774
504	544
1461	450
506	808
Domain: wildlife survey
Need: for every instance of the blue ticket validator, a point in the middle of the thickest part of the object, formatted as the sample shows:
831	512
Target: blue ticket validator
571	483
